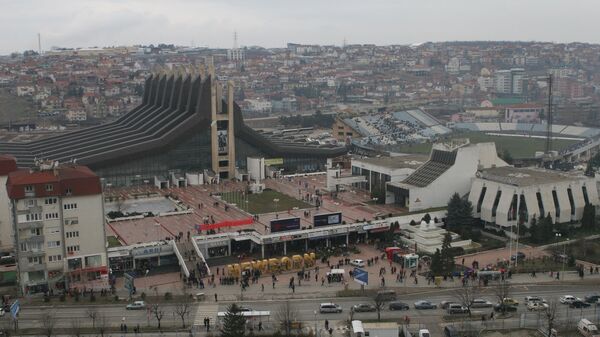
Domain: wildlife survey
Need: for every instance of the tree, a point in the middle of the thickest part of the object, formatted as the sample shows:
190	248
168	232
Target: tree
427	218
48	323
182	309
286	315
502	291
550	315
92	314
447	255
588	220
234	324
465	296
459	213
158	313
76	328
436	264
506	156
379	301
102	324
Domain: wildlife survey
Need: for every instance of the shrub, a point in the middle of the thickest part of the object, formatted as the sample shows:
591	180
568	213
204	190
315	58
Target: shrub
46	298
62	297
168	296
116	298
92	298
143	295
77	297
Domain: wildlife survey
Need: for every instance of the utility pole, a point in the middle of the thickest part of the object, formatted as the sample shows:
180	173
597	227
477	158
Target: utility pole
39	44
549	117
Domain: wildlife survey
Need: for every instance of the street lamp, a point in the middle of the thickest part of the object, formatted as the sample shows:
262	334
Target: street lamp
564	257
275	201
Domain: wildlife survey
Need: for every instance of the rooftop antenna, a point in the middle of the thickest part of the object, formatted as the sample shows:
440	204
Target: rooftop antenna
549	117
344	44
235	44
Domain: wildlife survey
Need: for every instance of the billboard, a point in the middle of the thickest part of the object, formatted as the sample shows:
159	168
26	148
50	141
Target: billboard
360	276
273	161
327	219
282	225
222	141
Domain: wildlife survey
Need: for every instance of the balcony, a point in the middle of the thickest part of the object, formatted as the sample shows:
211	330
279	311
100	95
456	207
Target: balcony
29	209
30	225
31	253
32	239
33	266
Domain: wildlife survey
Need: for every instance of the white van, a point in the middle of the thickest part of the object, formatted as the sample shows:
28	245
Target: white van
326	308
587	328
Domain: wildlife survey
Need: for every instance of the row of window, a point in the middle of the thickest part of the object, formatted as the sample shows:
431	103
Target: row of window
54	258
47	187
51	216
50	201
74	234
72	249
70	206
40	260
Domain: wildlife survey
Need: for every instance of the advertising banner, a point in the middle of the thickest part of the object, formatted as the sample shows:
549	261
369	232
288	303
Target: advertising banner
282	225
222	141
328	219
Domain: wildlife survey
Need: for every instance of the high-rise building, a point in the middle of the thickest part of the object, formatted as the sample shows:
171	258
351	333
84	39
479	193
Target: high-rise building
58	224
8	164
509	82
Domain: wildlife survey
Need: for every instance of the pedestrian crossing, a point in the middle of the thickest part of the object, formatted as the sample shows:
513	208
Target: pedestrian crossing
204	311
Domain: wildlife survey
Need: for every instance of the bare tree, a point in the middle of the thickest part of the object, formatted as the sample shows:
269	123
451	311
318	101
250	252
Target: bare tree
379	301
102	324
158	312
93	315
76	329
550	315
120	204
286	315
183	308
501	291
465	296
48	324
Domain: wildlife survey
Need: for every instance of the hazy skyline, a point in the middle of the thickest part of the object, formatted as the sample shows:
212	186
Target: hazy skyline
273	23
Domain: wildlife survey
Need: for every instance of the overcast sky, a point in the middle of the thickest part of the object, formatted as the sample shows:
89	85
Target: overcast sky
273	23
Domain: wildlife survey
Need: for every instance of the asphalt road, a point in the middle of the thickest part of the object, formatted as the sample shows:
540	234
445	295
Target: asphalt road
305	308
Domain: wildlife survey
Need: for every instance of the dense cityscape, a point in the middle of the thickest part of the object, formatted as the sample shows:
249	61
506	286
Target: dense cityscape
351	190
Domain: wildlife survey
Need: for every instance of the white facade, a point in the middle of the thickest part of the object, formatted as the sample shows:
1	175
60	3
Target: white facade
497	194
6	238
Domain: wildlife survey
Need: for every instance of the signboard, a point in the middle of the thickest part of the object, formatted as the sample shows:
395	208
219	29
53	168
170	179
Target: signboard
222	141
316	235
327	219
152	251
273	161
360	276
15	308
282	225
376	225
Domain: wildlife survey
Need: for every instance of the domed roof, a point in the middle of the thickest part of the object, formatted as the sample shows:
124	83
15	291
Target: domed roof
485	72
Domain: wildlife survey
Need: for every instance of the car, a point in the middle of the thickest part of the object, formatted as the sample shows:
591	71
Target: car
534	299
444	304
2	312
326	308
357	263
592	298
504	308
536	306
137	305
510	301
425	305
363	307
450	331
568	299
579	304
481	303
244	309
456	308
398	306
424	333
386	295
518	255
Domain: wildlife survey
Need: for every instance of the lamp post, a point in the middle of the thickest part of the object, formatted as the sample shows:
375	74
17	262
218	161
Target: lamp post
564	257
275	201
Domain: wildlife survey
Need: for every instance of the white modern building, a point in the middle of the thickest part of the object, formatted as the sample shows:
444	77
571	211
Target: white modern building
503	196
380	170
58	224
449	170
509	81
427	237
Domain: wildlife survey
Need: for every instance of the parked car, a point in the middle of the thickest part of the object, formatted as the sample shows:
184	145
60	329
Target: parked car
510	301
137	305
536	306
424	333
444	304
244	309
455	308
481	303
592	298
534	299
363	307
357	263
425	305
568	299
326	308
387	295
579	304
518	255
398	306
587	328
504	308
450	331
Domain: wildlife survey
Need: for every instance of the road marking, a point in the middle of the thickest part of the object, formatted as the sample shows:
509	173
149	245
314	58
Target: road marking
204	311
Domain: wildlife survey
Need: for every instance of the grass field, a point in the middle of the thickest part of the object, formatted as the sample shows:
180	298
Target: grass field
14	108
518	147
263	202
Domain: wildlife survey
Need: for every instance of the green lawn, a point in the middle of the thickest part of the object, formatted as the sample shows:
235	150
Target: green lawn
519	147
263	202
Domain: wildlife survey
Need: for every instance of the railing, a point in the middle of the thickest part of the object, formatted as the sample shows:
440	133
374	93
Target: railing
184	267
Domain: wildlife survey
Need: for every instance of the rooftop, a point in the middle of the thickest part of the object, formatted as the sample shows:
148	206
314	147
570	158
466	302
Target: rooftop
523	176
398	162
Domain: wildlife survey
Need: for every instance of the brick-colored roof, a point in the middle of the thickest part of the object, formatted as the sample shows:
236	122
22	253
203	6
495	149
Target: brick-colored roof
80	180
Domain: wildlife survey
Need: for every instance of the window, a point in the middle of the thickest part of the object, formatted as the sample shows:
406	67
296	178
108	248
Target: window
53	244
50	216
71	221
54	258
36	231
29	189
72	249
54	230
50	201
23	247
30	203
70	206
33	217
68	191
93	261
49	187
35	260
74	234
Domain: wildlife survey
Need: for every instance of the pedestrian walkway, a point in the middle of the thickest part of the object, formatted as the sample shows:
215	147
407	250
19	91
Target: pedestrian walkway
206	311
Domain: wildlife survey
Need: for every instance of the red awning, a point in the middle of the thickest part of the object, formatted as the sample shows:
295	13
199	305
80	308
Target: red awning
228	223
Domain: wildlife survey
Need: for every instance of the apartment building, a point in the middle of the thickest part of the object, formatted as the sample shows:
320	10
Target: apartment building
58	225
8	164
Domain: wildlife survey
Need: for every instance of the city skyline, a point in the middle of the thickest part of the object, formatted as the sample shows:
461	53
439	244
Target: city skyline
101	23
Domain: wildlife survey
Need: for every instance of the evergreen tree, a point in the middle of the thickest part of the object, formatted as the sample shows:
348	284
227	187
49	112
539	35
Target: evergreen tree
588	219
447	254
436	264
233	322
459	213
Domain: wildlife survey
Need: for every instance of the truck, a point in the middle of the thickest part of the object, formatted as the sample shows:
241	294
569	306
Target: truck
587	328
